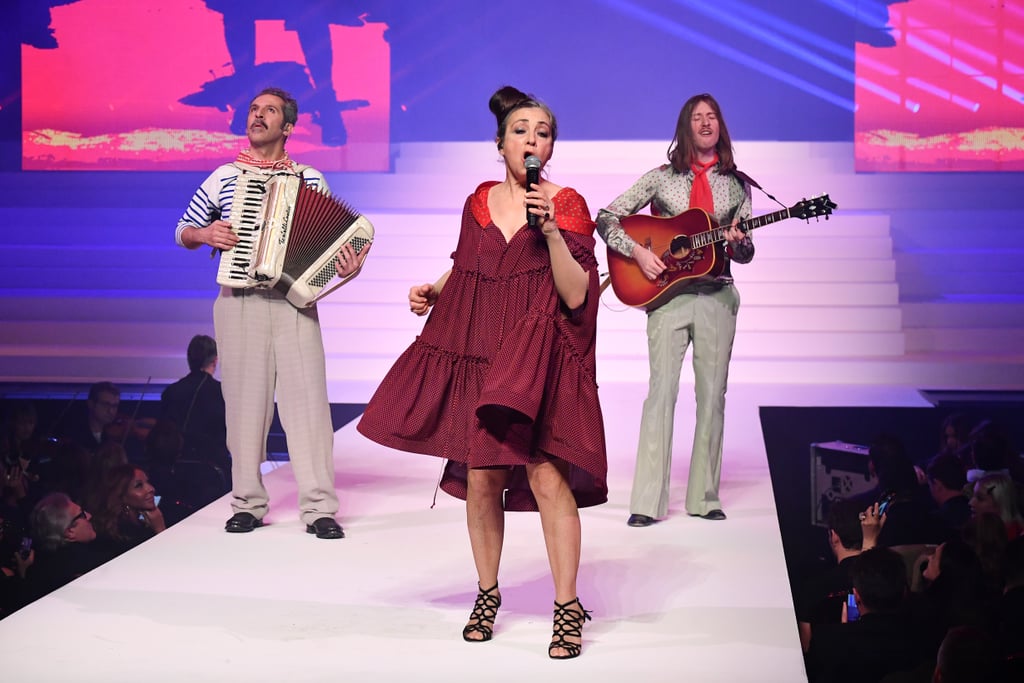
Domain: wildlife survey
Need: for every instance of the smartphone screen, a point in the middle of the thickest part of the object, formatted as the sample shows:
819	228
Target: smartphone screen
852	613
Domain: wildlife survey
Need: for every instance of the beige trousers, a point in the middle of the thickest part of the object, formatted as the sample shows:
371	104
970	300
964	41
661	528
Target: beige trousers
708	321
266	345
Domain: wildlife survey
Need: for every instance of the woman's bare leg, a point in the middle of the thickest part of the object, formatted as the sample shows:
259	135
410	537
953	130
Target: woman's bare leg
485	519
560	520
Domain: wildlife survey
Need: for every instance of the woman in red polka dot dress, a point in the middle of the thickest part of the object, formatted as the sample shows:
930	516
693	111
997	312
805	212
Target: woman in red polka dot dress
501	382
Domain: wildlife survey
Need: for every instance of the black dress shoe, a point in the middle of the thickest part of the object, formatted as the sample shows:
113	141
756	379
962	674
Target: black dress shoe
715	515
640	520
325	527
241	523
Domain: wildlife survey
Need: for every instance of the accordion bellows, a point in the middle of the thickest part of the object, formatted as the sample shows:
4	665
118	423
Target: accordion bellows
289	235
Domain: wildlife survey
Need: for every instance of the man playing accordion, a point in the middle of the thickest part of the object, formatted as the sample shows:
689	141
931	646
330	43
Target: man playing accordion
266	344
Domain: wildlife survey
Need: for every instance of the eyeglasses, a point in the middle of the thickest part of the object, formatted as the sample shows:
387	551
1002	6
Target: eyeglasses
81	515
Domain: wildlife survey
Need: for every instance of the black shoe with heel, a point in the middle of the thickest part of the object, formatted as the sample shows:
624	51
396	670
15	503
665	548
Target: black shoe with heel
567	623
485	609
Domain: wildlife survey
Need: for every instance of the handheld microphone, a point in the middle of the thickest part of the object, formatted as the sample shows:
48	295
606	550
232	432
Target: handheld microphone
532	178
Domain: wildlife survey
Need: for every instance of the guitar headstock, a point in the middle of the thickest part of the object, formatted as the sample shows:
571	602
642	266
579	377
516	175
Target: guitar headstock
815	207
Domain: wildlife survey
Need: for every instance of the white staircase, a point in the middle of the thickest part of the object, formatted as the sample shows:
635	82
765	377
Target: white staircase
907	283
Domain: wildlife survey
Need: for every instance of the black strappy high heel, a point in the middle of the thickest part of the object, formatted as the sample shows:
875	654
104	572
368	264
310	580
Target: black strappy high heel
567	623
485	609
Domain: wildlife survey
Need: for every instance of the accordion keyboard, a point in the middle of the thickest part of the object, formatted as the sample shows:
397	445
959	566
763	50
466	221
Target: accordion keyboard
246	220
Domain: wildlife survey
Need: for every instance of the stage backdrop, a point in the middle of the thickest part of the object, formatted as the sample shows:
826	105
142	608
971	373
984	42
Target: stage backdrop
920	85
116	85
948	93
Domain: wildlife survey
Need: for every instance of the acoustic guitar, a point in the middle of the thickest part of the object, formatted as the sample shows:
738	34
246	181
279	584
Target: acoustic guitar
691	246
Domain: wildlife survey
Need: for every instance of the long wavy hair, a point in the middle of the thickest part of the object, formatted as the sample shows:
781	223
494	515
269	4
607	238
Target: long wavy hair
110	506
682	151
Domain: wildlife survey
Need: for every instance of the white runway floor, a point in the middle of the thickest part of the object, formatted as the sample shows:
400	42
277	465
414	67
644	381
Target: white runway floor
686	599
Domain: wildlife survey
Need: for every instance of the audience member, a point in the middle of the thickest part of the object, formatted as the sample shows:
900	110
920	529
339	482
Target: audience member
820	600
955	431
997	493
957	594
108	456
196	404
67	470
1010	615
19	446
909	518
15	559
880	640
946	481
986	534
127	513
967	655
13	495
89	429
63	537
990	452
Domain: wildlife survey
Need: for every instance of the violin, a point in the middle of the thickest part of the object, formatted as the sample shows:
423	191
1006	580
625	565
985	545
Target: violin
132	425
125	426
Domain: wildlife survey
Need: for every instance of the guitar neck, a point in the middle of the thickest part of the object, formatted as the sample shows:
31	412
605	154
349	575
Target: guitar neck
718	234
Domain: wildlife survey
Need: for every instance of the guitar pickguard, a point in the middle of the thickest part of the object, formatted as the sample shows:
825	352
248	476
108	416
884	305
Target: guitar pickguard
675	265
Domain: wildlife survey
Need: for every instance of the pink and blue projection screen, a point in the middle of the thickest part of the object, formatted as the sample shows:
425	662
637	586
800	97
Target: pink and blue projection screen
948	94
115	85
916	85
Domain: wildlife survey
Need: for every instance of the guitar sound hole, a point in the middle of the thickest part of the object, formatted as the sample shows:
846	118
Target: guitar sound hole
680	246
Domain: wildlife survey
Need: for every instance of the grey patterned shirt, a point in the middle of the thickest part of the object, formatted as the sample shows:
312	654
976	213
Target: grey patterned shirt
668	193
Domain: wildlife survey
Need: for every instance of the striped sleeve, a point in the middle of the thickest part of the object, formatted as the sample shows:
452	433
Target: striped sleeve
211	201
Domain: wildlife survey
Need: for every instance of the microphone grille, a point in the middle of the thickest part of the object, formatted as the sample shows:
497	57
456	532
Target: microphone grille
532	161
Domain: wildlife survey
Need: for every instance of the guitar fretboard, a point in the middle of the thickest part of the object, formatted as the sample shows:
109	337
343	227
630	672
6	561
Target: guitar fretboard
703	239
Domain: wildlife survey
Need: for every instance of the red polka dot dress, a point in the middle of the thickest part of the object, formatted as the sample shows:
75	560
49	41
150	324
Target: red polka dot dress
503	373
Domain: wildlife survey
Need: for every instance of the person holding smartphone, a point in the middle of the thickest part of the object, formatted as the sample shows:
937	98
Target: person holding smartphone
880	640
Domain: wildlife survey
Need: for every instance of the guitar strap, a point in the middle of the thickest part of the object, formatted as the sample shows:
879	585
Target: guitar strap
744	178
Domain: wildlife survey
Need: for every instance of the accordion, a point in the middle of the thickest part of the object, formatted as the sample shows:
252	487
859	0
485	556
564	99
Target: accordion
288	237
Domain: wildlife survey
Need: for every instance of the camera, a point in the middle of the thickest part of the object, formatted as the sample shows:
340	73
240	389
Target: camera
26	547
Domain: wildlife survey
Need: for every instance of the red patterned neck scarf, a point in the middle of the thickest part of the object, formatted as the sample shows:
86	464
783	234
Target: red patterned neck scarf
700	192
285	164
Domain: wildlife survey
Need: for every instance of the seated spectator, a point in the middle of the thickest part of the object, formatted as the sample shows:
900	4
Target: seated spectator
14	501
986	534
107	457
127	513
63	536
997	493
967	656
957	594
946	481
67	469
196	404
15	560
990	452
19	445
1010	614
821	598
880	641
88	429
909	518
954	433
